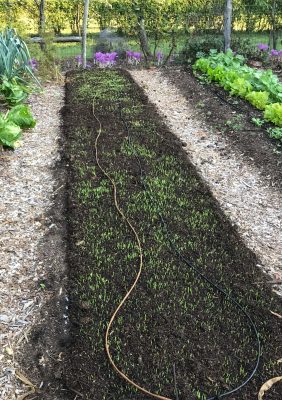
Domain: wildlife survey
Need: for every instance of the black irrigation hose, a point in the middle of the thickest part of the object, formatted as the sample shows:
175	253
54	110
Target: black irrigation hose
199	273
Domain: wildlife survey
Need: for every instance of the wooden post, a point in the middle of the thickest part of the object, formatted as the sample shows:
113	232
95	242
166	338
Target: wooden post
42	22
144	39
84	32
273	31
227	25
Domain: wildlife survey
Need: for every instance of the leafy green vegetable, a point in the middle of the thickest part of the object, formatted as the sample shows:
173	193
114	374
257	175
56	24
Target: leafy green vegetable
258	121
258	99
9	133
240	87
258	87
273	113
21	116
13	92
202	65
275	133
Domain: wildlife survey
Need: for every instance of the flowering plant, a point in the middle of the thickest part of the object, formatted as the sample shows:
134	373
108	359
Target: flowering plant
160	57
79	62
262	47
133	57
275	56
104	60
33	63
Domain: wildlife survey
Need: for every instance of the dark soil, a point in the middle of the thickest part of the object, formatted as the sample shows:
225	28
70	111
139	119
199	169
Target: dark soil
173	318
231	117
43	360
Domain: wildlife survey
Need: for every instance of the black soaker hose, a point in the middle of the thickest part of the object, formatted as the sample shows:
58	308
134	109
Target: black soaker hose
198	272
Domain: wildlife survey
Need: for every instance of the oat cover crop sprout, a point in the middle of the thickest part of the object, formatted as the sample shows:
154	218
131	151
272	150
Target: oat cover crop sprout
172	317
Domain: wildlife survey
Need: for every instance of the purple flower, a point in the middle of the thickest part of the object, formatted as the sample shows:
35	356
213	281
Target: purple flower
105	59
78	59
280	53
137	56
274	53
33	63
159	55
262	47
133	57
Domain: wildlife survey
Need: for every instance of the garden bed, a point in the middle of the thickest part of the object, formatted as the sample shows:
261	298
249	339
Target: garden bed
173	320
231	117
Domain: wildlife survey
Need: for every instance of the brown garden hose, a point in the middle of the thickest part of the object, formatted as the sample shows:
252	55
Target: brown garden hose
120	211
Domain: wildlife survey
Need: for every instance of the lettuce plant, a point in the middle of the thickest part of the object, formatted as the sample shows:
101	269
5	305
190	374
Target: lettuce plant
240	87
258	99
12	123
21	115
10	133
273	113
258	87
13	92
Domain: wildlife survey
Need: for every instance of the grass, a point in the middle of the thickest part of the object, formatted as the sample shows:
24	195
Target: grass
173	317
70	50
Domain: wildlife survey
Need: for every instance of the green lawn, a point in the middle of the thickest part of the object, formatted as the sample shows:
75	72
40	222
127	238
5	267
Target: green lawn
70	50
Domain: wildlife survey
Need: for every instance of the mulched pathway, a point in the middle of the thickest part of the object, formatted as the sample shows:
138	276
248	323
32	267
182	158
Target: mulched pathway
246	186
30	240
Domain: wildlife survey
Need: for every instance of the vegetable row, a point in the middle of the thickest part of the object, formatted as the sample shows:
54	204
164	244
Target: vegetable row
16	72
260	87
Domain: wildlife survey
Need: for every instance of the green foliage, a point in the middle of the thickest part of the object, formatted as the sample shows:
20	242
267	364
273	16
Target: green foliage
12	123
273	113
258	122
275	133
14	57
202	65
240	87
201	44
21	115
258	99
48	68
13	92
256	86
10	133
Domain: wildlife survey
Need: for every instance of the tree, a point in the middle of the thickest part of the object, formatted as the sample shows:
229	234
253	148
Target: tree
227	25
84	32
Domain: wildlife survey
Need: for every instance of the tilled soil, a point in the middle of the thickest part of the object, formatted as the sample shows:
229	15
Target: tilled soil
242	171
173	320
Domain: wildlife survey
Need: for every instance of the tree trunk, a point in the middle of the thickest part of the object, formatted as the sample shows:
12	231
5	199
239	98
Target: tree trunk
41	27
227	25
143	39
78	18
84	32
273	32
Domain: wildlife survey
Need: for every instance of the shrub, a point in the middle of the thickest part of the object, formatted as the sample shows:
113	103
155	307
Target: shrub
201	44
